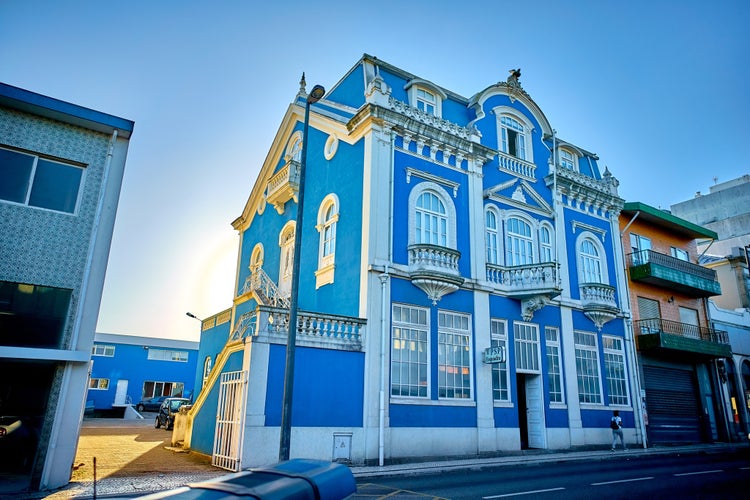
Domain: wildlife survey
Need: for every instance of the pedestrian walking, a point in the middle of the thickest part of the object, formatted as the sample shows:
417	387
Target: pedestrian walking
616	425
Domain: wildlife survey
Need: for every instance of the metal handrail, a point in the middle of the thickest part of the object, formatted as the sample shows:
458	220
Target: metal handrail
658	325
650	256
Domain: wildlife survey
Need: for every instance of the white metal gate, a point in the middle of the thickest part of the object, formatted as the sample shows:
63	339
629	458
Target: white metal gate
230	421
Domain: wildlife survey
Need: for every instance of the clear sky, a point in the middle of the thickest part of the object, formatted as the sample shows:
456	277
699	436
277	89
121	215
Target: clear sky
658	89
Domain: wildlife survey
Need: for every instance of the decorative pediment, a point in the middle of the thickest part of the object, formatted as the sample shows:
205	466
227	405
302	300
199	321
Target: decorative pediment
520	194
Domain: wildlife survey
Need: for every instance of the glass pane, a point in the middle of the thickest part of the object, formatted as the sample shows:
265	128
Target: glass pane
15	172
56	186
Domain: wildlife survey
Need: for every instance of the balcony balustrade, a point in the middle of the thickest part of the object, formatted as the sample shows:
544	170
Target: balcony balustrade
669	272
598	301
434	269
283	186
271	324
516	166
523	281
657	333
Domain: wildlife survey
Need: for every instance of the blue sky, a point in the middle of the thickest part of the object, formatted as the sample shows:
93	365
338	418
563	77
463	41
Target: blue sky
658	89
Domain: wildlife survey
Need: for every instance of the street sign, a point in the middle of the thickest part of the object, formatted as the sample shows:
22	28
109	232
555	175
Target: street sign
494	355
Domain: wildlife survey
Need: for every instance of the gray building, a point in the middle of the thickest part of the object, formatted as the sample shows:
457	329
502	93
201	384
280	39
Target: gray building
61	169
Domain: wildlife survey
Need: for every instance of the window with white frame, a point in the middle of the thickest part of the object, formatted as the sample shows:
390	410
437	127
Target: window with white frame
590	262
286	259
512	137
294	147
99	384
519	245
526	342
206	370
432	216
454	356
426	101
554	366
103	350
431	220
499	338
31	180
640	247
587	368
679	253
328	216
490	236
545	244
409	351
567	159
167	355
614	367
425	96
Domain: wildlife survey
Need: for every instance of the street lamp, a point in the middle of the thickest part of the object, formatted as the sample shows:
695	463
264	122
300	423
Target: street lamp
286	409
191	315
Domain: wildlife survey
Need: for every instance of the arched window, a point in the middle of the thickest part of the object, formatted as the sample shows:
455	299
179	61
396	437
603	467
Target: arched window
591	262
206	370
286	262
513	137
294	147
431	223
256	258
328	216
519	246
490	236
545	245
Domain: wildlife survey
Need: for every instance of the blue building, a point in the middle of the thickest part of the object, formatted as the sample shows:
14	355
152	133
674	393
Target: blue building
460	284
126	369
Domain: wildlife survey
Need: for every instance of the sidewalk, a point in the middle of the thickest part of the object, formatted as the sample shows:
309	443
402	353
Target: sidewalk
134	459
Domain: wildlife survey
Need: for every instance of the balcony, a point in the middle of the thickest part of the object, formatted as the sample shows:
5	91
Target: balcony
532	284
284	186
271	325
265	289
670	336
669	272
598	301
512	165
434	269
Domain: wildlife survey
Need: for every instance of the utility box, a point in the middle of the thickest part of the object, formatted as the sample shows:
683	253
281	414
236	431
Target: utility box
298	479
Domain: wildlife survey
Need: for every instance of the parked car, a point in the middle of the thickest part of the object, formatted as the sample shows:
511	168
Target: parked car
150	404
167	412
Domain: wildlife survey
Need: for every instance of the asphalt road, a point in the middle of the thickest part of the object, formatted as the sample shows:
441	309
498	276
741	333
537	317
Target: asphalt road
721	475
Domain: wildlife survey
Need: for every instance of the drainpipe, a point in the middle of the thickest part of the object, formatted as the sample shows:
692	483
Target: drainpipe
381	408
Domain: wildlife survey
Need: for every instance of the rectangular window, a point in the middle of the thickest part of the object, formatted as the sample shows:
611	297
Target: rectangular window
526	341
499	338
426	101
409	351
587	368
640	247
614	365
39	182
679	253
99	384
153	389
103	350
35	314
454	356
554	370
567	160
167	355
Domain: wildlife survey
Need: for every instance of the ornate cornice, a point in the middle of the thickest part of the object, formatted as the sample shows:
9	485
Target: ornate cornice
584	193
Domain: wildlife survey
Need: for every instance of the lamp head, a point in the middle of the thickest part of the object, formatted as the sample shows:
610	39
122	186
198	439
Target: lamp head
315	94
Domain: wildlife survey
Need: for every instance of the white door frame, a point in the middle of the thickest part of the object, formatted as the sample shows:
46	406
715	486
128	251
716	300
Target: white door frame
536	429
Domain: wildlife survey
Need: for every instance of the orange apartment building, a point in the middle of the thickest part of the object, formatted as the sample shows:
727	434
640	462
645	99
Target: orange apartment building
677	349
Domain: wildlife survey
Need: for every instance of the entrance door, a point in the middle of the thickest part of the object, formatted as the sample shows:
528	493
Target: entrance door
535	411
121	394
530	411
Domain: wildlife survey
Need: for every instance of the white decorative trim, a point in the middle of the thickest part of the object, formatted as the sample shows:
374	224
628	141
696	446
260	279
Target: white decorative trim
587	227
430	177
331	146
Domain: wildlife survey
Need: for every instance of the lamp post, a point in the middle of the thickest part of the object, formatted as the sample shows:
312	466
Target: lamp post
191	315
286	409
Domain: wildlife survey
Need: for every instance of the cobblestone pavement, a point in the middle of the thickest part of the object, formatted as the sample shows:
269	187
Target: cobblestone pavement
132	458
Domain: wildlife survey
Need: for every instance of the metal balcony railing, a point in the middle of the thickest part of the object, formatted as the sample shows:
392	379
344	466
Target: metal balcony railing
265	289
658	325
651	257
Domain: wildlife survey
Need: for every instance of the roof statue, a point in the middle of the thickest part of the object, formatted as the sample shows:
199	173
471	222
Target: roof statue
512	80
